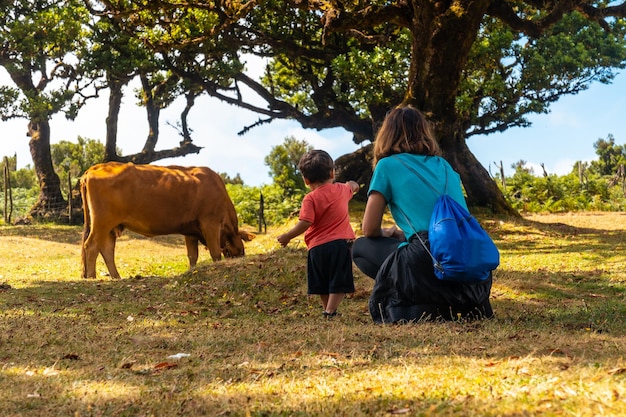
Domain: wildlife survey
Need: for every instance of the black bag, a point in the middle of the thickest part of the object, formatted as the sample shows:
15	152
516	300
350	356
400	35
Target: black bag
407	290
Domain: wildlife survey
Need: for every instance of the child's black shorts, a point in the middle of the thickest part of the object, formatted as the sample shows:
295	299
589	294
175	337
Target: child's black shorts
329	268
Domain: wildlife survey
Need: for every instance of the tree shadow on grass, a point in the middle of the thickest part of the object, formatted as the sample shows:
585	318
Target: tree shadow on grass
273	285
60	234
102	346
569	299
257	401
74	234
532	236
234	402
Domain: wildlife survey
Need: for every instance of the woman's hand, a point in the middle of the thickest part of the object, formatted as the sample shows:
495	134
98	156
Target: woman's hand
393	232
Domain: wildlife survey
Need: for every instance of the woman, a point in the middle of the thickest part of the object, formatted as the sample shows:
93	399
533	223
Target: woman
406	287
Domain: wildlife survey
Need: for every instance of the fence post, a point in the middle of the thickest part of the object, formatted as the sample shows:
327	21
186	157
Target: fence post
8	193
69	196
261	214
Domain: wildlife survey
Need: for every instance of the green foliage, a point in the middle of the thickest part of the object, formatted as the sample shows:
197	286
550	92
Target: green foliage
277	206
375	71
283	162
509	75
19	178
40	40
610	156
72	159
25	178
23	199
596	186
228	180
528	193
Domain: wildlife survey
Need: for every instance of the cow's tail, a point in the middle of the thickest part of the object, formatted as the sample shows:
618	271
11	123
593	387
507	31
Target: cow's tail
87	222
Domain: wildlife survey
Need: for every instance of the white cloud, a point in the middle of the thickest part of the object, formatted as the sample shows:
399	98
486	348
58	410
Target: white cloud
562	167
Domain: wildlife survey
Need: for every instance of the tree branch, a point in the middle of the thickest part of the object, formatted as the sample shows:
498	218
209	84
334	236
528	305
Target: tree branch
185	148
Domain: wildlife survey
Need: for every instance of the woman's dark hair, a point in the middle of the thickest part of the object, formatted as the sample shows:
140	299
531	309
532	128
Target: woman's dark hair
405	129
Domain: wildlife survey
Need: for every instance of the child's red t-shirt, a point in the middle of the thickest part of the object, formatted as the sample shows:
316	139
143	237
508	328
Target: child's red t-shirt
326	208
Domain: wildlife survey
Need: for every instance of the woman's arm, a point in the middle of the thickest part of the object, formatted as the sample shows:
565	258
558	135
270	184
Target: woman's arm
373	217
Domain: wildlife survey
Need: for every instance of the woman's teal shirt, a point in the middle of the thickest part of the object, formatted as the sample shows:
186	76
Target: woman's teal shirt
406	193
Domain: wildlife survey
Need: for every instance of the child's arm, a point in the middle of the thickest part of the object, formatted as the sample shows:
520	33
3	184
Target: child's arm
298	229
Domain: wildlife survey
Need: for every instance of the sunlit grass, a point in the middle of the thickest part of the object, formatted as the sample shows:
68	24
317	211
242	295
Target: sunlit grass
253	342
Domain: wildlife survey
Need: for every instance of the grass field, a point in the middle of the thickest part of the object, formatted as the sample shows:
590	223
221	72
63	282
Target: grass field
242	338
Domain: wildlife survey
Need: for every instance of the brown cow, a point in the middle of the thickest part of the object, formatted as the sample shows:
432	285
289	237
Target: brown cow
154	200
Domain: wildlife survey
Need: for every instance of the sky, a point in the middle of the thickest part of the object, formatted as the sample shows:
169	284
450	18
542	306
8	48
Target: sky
557	139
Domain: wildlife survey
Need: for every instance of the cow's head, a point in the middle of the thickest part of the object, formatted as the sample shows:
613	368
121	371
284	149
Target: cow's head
231	241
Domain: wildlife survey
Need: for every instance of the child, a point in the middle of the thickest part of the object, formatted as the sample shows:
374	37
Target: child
325	221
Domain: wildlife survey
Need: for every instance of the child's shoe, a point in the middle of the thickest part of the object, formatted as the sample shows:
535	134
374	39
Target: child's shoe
328	315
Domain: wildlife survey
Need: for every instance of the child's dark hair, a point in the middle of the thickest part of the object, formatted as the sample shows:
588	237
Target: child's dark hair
316	166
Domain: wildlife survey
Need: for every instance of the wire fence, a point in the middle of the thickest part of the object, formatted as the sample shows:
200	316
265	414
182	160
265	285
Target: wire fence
18	204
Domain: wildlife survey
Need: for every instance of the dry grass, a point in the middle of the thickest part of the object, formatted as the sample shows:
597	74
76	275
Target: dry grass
257	345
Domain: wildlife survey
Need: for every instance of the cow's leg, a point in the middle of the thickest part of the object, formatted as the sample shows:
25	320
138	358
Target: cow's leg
107	250
211	233
90	255
192	250
85	272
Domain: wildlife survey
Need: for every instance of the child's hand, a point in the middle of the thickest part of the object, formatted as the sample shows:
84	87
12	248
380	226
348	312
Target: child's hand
297	230
283	240
354	186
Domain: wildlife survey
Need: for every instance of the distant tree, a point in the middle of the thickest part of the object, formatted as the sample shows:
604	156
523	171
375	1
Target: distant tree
236	180
25	178
80	154
116	58
40	41
113	57
20	178
143	53
283	163
521	167
73	159
611	156
277	205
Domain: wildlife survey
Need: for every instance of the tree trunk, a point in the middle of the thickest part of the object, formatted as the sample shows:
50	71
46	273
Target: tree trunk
440	46
148	154
481	189
115	103
356	166
153	111
51	203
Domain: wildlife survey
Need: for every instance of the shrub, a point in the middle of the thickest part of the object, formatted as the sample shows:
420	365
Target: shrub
277	205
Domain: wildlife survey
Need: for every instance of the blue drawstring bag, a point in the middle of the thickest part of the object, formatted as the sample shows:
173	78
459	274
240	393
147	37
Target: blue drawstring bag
461	249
